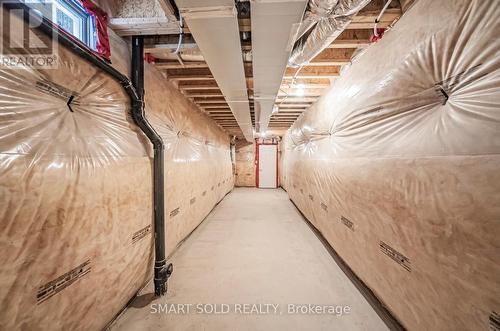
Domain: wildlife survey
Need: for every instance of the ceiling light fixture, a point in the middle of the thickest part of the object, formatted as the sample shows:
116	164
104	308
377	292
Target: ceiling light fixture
300	90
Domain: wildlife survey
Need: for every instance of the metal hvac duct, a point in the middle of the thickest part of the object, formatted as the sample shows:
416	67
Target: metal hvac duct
324	21
274	26
214	26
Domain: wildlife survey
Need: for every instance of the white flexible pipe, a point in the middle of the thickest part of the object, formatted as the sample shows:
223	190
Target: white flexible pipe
181	35
380	16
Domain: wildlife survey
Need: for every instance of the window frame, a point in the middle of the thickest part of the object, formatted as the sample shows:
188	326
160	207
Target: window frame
84	20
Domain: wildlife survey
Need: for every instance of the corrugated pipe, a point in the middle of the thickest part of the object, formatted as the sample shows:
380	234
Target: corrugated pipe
324	21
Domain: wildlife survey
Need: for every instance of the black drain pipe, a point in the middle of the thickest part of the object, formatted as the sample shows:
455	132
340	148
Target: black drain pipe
162	271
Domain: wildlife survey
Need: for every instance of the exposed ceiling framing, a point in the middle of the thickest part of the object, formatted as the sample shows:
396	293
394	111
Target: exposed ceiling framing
195	80
317	76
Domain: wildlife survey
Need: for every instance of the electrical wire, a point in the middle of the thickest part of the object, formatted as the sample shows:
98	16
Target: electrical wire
377	20
179	44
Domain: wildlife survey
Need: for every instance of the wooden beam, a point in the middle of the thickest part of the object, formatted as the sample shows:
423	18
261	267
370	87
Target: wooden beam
167	7
168	42
189	74
245	24
366	18
220	100
290	111
295	99
192	77
307	82
332	57
162	64
294	93
202	90
313	72
352	38
294	106
197	85
204	95
128	26
215	106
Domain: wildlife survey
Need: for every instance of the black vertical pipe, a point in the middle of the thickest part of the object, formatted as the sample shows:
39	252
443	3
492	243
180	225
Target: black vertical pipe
136	95
161	270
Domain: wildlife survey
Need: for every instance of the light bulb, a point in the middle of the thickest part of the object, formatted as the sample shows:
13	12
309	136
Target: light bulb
300	90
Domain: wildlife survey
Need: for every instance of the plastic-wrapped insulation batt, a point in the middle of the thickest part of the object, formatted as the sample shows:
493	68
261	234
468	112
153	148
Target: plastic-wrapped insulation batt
398	166
76	190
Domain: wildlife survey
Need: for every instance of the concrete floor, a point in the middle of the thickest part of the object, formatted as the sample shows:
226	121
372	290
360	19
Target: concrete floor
254	248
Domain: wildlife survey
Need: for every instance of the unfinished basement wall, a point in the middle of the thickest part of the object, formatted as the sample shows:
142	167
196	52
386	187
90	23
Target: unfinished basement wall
398	166
245	163
187	132
76	185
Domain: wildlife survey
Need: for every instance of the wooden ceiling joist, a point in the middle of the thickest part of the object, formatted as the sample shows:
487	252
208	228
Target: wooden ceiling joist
204	95
215	106
190	77
225	112
332	57
291	105
245	24
163	64
307	82
198	87
311	91
352	38
189	74
168	42
129	26
218	100
201	85
366	16
313	72
294	112
201	91
294	94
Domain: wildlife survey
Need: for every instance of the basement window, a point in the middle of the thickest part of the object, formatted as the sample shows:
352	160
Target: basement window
74	19
71	16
